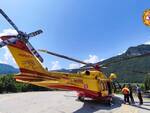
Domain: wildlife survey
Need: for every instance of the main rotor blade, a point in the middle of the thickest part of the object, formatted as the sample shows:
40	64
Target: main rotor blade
9	20
8	41
34	51
87	65
62	56
35	33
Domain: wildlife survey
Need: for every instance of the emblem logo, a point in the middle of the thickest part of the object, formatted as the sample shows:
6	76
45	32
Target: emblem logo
146	17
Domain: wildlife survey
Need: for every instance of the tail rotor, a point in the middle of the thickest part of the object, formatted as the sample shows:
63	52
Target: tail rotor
24	37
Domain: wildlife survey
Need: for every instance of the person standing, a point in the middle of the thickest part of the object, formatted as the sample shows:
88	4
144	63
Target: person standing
139	94
126	91
131	93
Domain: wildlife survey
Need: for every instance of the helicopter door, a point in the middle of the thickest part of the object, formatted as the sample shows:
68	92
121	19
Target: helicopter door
109	87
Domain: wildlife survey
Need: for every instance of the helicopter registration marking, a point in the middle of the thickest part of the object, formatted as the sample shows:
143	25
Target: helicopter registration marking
85	86
25	55
76	82
80	81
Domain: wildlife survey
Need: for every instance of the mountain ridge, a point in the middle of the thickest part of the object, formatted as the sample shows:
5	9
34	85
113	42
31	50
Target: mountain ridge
7	69
128	68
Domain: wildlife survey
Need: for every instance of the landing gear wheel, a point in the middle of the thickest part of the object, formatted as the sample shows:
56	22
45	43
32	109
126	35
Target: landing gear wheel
81	98
109	102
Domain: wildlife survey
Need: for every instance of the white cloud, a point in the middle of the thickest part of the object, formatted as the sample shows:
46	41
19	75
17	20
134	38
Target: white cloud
148	43
92	59
121	52
74	66
102	59
8	32
7	57
55	65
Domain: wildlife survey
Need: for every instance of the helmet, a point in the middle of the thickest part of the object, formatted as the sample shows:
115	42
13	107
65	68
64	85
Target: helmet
112	76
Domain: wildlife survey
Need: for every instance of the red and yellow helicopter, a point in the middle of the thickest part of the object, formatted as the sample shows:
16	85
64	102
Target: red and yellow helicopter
90	83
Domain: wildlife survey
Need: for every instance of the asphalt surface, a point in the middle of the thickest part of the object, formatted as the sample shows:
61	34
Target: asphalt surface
64	102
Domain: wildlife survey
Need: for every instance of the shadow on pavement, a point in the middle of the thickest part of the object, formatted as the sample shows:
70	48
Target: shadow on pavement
146	104
91	106
142	106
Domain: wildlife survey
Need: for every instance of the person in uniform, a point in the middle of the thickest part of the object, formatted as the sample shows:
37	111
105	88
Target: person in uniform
131	93
126	91
139	94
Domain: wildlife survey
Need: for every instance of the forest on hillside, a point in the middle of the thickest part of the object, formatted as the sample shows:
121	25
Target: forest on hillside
131	70
8	84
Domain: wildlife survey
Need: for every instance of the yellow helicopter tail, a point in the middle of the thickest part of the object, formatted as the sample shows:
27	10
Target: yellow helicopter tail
24	58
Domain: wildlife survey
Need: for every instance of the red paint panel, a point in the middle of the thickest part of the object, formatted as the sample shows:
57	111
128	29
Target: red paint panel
19	44
73	88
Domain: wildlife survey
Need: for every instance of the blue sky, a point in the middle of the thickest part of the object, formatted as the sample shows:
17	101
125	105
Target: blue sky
88	30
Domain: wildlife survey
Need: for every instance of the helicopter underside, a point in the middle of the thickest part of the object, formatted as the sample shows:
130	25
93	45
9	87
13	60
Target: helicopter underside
84	93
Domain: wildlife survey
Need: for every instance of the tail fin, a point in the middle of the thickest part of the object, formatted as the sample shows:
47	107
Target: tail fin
26	61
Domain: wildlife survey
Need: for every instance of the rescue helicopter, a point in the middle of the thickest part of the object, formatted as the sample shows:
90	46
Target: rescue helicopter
89	83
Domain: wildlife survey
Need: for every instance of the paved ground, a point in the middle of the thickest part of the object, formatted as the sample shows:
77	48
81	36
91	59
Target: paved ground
62	102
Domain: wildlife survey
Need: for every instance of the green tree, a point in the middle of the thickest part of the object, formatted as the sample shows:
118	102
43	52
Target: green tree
147	82
8	83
